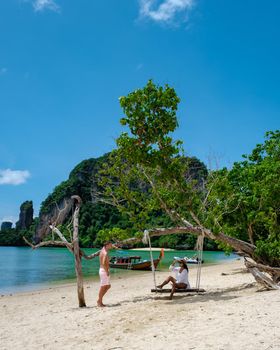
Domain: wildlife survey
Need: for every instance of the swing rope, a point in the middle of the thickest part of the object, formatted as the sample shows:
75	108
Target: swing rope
147	240
199	248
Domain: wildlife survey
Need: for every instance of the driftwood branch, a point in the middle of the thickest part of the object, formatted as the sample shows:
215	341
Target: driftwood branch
61	213
91	256
48	244
237	244
196	230
63	239
73	246
76	251
56	215
262	279
60	235
274	272
264	268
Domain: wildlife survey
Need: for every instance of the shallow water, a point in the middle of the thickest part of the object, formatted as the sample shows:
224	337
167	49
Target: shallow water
23	269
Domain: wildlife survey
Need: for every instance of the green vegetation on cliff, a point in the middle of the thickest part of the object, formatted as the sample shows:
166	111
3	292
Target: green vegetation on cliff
99	220
13	236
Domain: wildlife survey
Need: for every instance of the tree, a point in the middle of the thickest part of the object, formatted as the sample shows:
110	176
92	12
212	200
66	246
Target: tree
245	200
73	245
148	173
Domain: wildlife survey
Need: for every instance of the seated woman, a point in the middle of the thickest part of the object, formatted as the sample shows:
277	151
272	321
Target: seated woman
181	281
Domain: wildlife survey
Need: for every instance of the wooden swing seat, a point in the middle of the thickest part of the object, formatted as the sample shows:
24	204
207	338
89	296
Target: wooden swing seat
178	290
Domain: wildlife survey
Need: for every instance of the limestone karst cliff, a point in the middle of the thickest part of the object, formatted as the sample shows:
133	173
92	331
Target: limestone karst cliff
25	215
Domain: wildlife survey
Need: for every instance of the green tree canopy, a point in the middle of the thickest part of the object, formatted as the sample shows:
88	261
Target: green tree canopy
245	200
149	176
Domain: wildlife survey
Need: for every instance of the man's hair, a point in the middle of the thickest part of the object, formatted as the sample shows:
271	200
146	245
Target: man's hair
107	243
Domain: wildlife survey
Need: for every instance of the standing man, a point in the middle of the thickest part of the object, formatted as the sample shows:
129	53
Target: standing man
104	273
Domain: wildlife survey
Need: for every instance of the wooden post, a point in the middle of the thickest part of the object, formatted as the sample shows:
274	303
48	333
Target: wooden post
77	255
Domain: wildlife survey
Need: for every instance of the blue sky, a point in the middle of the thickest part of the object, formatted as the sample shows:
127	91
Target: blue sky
64	64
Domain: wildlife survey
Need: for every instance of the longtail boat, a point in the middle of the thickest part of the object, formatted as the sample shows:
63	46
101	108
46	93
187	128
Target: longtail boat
134	262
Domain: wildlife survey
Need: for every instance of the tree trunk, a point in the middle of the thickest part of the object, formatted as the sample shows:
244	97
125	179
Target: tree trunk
73	247
262	279
251	233
247	249
77	255
257	271
238	245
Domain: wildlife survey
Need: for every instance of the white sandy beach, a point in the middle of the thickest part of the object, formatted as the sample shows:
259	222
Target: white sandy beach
231	315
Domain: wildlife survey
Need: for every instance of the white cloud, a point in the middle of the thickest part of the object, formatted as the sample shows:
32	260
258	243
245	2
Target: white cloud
164	11
13	177
41	5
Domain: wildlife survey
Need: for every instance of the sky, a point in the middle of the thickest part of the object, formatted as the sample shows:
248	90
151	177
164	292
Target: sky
65	63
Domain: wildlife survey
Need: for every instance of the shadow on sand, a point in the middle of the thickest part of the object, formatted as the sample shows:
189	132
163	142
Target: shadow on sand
212	295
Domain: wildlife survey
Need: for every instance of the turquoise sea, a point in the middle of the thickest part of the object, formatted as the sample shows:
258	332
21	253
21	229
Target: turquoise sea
24	269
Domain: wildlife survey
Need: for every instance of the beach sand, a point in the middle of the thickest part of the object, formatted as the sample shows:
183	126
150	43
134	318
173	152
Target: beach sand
231	315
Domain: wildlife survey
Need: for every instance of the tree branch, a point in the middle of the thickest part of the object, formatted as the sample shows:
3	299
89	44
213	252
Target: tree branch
261	278
91	256
49	243
171	213
274	271
60	235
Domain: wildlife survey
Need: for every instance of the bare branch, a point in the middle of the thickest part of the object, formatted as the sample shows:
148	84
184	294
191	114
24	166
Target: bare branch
264	268
56	215
208	194
91	256
106	201
217	223
60	235
235	243
183	220
171	213
76	251
49	243
94	255
113	201
62	213
195	218
251	233
260	277
163	232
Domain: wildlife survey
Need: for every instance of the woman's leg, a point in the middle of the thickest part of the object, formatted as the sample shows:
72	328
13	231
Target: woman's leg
168	279
178	286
